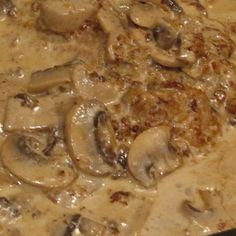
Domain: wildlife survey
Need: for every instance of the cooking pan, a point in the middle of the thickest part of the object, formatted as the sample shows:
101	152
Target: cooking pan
231	232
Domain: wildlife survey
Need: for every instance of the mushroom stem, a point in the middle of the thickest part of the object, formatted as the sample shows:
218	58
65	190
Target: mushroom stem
150	156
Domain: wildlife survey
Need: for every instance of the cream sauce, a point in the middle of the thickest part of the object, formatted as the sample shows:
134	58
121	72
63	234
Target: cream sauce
122	204
211	172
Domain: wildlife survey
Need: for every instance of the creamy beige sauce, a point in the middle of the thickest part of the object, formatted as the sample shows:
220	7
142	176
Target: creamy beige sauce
213	172
36	200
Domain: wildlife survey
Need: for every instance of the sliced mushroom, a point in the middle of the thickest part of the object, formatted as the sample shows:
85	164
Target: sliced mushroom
144	14
85	226
165	58
150	156
166	38
120	6
148	14
173	5
24	157
90	147
205	209
65	17
159	55
43	80
112	26
108	20
201	204
25	112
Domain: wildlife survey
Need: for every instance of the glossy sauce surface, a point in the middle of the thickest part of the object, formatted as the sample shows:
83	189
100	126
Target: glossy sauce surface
97	79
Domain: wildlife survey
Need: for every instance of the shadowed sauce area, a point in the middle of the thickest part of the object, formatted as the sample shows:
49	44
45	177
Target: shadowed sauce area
117	117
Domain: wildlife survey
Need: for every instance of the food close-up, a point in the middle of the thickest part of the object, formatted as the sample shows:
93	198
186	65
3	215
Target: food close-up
117	117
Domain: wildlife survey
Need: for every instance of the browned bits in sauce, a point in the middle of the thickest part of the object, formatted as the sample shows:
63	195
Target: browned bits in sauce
27	100
120	197
173	85
100	100
193	105
231	106
221	226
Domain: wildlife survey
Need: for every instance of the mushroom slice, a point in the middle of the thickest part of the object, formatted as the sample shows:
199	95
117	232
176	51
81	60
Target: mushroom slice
108	20
23	156
150	156
200	205
120	6
165	58
144	14
25	112
89	137
84	226
43	80
66	16
205	209
147	14
159	55
112	26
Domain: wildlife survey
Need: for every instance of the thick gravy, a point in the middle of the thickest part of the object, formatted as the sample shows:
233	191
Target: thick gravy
117	117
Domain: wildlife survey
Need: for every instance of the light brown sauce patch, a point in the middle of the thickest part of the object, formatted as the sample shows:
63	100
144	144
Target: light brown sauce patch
24	49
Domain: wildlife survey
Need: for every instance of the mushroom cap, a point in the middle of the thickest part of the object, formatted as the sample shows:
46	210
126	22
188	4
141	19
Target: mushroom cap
111	25
41	81
81	139
159	55
33	168
144	14
108	20
150	156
